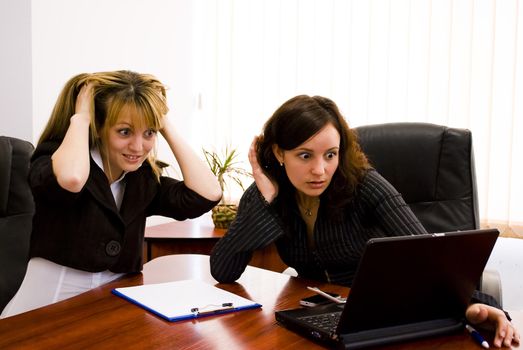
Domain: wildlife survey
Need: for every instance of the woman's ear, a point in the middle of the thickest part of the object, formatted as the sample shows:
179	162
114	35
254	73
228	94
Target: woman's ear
278	153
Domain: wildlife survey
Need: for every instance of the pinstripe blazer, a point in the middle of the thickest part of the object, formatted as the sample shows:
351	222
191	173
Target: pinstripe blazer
377	210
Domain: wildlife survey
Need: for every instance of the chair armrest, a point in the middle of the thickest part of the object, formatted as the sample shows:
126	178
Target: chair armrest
491	284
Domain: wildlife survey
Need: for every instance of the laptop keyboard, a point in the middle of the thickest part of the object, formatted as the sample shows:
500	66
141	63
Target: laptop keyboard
327	322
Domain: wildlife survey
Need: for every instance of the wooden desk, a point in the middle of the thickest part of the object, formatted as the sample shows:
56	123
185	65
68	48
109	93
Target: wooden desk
98	319
198	236
193	236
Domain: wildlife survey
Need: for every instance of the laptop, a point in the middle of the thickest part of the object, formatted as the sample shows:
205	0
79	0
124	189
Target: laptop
405	288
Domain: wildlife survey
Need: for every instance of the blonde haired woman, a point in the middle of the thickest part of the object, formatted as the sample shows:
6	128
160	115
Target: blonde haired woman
95	179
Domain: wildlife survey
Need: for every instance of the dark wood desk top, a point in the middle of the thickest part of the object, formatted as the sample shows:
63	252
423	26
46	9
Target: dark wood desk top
198	236
198	228
98	319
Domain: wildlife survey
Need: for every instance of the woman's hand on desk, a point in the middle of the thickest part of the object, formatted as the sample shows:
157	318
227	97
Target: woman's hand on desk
489	317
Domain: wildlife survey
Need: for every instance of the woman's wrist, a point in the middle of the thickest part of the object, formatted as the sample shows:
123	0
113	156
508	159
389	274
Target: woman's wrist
266	201
83	118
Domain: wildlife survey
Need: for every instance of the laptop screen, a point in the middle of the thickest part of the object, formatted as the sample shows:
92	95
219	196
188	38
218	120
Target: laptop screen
411	279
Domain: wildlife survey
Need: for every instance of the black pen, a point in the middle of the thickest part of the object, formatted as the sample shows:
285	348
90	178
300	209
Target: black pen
477	337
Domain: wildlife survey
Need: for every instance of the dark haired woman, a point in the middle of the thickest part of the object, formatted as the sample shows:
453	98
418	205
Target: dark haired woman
316	196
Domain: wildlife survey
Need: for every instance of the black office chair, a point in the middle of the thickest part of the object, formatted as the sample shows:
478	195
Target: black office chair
432	166
16	213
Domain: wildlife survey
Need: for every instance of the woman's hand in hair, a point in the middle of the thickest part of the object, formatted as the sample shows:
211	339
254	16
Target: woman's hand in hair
84	103
267	187
71	162
196	173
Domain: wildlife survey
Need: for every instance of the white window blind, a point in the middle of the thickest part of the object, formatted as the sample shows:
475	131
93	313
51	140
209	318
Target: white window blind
452	62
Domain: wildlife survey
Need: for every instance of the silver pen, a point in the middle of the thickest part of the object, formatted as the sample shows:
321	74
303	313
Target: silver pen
338	300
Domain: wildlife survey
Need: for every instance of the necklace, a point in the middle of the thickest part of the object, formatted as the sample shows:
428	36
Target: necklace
307	211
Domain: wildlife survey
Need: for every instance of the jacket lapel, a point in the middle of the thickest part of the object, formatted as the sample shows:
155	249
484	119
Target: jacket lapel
140	190
99	188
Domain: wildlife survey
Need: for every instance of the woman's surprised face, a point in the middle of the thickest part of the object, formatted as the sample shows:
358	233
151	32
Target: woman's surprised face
128	144
311	165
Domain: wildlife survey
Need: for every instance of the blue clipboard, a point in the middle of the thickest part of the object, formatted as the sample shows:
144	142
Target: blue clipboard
186	299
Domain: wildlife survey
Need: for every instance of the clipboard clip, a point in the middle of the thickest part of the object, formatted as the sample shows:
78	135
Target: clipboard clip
211	309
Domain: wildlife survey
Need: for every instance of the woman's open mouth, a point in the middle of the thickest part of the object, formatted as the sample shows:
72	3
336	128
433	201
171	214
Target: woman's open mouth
132	158
316	184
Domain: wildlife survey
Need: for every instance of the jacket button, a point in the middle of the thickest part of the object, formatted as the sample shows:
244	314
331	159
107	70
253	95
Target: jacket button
113	248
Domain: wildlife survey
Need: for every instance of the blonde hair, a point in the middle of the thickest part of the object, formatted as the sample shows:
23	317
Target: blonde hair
112	91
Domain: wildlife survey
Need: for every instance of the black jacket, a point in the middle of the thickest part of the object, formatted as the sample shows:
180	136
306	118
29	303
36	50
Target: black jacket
86	231
377	210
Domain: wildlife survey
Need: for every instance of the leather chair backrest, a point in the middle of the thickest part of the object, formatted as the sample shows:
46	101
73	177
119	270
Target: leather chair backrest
16	213
432	166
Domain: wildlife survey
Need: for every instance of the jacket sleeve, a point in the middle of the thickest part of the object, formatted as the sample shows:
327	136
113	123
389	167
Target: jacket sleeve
42	179
175	200
256	226
483	298
390	210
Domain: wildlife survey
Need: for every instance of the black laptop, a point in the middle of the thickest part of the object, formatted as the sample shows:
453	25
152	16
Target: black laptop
405	288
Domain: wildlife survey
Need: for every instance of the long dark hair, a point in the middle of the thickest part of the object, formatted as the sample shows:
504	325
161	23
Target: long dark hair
293	123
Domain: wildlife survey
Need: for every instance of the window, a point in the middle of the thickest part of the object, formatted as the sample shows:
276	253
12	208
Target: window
456	63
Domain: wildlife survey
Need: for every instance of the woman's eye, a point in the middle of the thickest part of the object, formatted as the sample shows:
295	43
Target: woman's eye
150	133
124	132
304	155
331	155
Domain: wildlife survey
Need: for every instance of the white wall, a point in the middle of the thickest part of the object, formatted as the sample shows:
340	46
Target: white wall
44	43
15	69
71	37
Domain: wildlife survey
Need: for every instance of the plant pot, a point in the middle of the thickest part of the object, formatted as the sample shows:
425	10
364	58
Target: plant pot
223	215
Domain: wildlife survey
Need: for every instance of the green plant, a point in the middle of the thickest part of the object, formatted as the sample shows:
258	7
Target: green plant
226	166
